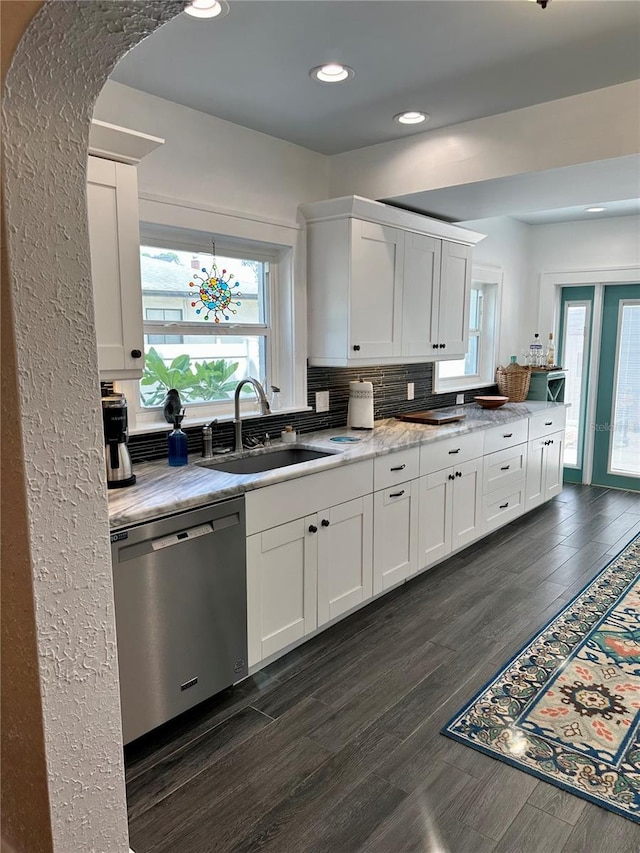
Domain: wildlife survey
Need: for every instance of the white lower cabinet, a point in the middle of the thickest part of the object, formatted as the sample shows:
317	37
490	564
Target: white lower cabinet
395	535
544	469
307	572
303	572
282	570
449	510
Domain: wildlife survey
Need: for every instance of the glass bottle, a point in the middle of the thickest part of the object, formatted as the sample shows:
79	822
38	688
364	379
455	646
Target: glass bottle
535	351
551	352
177	442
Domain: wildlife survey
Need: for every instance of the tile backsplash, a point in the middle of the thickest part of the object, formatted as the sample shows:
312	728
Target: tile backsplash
389	393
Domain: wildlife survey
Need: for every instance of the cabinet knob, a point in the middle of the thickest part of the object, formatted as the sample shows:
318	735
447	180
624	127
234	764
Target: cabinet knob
458	473
450	477
136	353
435	346
551	441
325	522
313	528
356	347
442	346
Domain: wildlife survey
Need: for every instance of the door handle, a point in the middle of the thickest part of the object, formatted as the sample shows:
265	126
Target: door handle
313	528
398	468
325	522
505	468
451	452
397	494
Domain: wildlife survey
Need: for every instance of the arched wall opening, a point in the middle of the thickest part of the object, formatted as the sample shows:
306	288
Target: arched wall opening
63	561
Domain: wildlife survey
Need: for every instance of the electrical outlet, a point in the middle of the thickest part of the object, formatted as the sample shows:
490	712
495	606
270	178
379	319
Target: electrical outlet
322	401
459	399
410	392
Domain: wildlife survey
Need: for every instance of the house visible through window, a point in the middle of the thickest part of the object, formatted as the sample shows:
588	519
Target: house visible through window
478	366
202	348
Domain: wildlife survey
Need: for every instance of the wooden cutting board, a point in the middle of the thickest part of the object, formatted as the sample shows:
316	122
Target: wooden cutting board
431	417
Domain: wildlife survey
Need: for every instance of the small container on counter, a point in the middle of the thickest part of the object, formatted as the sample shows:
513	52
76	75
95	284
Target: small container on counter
177	442
288	434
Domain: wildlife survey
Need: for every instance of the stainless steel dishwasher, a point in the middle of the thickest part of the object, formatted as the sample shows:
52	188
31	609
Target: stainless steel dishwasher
181	612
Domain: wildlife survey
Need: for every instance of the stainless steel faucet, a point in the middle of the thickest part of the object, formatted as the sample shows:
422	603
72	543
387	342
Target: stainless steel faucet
264	407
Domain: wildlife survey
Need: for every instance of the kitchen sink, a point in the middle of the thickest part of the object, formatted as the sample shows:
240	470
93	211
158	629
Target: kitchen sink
266	461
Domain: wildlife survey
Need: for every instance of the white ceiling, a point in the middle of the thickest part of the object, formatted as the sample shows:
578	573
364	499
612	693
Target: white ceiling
455	59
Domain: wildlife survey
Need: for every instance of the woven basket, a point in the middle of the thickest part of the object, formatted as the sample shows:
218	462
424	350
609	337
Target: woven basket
513	382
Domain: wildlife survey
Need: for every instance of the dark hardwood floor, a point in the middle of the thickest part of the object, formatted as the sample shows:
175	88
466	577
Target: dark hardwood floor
336	747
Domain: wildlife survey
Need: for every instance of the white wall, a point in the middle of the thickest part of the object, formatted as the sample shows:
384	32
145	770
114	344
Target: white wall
507	246
596	244
214	162
584	128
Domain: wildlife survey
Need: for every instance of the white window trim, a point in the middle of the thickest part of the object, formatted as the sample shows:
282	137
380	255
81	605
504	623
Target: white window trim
285	330
487	355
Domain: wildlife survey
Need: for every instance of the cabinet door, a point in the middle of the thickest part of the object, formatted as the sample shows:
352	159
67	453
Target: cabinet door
281	586
553	468
345	560
466	505
434	517
375	301
395	535
421	274
535	473
452	311
114	238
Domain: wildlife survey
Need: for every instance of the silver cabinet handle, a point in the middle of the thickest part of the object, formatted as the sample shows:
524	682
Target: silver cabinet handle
398	468
396	494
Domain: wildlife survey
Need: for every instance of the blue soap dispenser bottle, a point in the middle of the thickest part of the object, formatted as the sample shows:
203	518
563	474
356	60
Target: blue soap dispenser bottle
177	443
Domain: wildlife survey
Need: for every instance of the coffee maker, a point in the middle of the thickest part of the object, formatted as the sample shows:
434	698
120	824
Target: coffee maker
118	461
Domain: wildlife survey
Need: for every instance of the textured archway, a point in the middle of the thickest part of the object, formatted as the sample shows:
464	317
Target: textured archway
57	72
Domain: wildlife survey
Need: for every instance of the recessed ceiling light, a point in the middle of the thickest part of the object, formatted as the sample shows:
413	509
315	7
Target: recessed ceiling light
207	8
333	72
594	209
411	117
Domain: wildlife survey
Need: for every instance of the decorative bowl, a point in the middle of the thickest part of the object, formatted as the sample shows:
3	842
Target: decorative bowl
491	402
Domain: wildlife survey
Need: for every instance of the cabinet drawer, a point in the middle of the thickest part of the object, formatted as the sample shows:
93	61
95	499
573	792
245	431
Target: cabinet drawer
508	435
504	468
503	506
547	422
302	496
450	451
396	468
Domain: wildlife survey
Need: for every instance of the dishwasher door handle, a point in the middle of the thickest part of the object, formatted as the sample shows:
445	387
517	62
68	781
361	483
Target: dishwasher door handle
180	537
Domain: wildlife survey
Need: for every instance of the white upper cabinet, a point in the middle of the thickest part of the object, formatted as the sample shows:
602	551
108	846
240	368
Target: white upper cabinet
385	285
114	240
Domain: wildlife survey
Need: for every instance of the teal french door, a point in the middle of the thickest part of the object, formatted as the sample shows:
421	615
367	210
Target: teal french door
574	348
616	444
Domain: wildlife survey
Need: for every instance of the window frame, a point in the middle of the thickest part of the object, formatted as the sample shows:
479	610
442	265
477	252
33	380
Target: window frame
490	281
282	302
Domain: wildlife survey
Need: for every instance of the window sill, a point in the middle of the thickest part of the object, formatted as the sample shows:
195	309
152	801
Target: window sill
466	384
163	426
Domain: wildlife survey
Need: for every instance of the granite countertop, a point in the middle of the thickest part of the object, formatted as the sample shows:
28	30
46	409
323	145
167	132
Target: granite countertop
161	490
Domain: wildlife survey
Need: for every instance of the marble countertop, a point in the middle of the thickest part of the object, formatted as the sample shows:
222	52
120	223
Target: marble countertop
161	490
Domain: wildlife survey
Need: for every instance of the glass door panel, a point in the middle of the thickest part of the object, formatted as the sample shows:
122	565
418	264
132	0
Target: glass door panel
617	427
574	346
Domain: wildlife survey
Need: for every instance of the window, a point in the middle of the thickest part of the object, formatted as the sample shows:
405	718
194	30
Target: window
478	366
169	315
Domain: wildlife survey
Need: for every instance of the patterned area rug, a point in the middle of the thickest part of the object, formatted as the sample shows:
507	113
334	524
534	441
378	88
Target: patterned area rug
566	708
